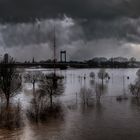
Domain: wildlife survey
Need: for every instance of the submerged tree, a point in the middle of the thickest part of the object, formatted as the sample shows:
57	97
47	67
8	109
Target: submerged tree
98	91
39	109
135	88
138	74
11	118
92	75
102	74
37	103
33	77
51	85
10	80
86	95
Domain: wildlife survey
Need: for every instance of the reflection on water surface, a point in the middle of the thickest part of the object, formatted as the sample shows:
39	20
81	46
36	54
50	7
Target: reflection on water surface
82	116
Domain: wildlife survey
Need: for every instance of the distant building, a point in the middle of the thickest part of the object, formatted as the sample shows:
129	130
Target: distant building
99	59
6	57
120	59
1	58
33	60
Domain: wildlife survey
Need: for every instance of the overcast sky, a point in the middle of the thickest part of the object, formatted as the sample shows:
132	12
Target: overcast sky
84	28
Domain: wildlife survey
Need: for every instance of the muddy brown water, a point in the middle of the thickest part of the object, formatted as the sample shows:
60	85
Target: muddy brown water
105	120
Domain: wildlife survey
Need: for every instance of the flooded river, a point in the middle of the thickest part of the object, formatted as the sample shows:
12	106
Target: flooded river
108	119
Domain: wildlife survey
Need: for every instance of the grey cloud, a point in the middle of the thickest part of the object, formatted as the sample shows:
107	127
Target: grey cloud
122	29
26	34
94	27
26	10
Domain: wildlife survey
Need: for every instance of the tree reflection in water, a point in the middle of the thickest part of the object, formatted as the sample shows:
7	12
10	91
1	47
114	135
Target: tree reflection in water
135	101
85	95
100	90
92	83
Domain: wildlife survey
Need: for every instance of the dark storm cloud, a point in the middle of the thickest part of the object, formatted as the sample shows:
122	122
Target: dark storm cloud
98	18
99	38
121	28
126	29
85	28
41	32
26	10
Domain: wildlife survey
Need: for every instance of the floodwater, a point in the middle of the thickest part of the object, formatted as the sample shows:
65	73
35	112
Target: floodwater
106	119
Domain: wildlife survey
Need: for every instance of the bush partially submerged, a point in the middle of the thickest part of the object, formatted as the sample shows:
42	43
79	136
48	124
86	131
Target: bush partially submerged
44	112
37	108
42	105
135	88
92	75
10	81
85	95
51	85
102	74
11	118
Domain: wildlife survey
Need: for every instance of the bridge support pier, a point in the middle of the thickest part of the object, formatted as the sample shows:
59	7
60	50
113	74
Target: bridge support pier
63	56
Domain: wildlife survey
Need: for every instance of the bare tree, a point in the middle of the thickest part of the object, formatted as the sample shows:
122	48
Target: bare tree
86	95
51	85
37	103
33	77
38	107
10	80
11	118
92	75
102	74
132	61
98	91
135	88
138	74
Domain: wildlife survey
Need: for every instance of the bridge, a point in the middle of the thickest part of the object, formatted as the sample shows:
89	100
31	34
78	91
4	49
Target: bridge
61	65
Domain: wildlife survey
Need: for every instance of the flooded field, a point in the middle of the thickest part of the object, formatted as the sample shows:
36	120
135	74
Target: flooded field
104	119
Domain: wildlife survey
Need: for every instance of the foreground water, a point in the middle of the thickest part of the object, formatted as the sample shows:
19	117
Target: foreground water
108	119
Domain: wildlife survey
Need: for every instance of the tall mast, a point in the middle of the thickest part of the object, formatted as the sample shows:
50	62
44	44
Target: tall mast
54	51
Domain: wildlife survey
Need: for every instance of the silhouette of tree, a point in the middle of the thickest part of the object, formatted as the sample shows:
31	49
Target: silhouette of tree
33	77
102	74
138	74
51	85
135	88
37	103
132	61
11	118
10	80
92	75
86	95
39	109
